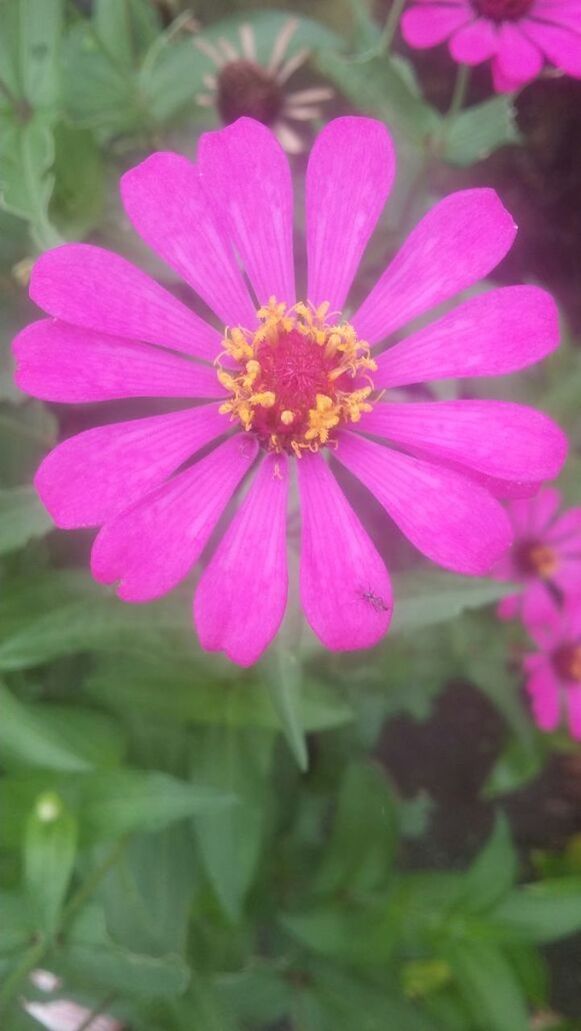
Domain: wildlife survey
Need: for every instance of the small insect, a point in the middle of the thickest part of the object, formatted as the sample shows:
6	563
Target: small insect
375	600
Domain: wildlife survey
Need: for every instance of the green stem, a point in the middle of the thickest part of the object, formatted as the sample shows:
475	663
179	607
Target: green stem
390	27
459	92
31	958
37	951
96	1012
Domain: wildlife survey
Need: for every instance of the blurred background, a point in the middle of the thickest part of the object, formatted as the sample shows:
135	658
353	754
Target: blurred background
374	841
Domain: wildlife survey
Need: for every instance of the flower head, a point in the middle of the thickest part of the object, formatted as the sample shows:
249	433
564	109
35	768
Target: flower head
517	36
554	671
285	385
545	556
243	87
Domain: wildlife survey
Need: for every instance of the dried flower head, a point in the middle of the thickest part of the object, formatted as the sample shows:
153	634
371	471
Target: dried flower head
242	86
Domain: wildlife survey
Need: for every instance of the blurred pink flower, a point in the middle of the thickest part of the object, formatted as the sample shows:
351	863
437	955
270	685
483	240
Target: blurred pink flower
554	671
285	383
517	36
545	556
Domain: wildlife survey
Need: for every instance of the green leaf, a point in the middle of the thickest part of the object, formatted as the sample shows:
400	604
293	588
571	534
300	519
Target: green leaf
91	621
493	872
282	673
22	518
89	954
98	92
197	697
542	912
520	762
16	922
234	762
78	195
57	737
49	853
30	34
26	737
429	597
382	87
26	179
125	29
356	936
479	130
115	803
148	892
489	986
361	848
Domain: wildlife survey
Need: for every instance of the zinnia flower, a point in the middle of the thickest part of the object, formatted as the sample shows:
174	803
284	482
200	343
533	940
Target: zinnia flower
545	557
554	672
518	36
286	385
242	86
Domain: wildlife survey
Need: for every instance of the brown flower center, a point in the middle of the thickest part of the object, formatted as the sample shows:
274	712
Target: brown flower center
503	10
536	559
567	662
246	89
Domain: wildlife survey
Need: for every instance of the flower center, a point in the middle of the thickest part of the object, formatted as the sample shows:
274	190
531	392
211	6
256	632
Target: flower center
503	10
536	559
567	662
244	88
298	377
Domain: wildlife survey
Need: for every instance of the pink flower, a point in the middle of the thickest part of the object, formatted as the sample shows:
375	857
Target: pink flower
282	383
545	556
554	672
518	36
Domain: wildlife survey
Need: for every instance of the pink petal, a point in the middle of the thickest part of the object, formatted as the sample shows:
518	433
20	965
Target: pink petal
427	26
90	478
561	46
566	13
151	546
59	362
349	177
449	518
543	689
241	597
501	82
566	531
574	711
571	618
345	588
495	438
537	604
246	173
474	43
166	202
97	289
518	59
509	608
532	516
489	335
459	241
567	576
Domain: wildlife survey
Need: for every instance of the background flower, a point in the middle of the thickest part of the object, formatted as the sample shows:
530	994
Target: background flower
545	556
554	671
517	36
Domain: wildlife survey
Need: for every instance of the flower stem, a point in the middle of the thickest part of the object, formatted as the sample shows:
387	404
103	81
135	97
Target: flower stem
390	27
459	92
39	948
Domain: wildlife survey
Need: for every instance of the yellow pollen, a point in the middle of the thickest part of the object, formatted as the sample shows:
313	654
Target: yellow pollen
295	355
